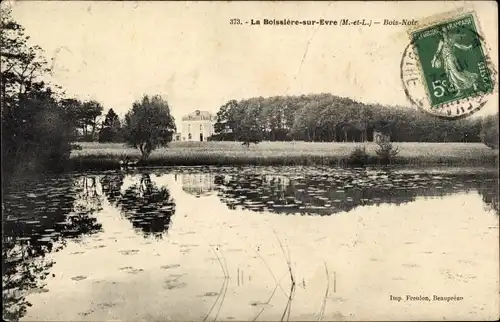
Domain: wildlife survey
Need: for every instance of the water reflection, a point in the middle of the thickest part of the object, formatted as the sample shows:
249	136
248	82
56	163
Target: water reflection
36	223
198	184
335	191
111	186
489	190
146	205
43	217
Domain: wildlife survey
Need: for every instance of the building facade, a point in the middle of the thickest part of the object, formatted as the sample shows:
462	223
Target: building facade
197	126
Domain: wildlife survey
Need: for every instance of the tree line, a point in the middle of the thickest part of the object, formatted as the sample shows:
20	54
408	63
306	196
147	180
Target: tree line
330	118
40	123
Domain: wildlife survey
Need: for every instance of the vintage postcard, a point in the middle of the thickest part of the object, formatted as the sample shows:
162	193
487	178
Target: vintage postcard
250	161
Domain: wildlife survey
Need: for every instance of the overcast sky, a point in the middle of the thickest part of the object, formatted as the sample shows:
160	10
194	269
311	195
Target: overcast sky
115	52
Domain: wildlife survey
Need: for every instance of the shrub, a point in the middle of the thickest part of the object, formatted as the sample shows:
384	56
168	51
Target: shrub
386	152
358	156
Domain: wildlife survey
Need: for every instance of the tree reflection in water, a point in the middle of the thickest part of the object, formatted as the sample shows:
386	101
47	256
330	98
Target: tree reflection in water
488	189
42	217
331	192
111	185
39	219
147	206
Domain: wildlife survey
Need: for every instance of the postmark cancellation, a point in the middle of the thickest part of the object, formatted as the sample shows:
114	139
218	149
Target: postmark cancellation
446	70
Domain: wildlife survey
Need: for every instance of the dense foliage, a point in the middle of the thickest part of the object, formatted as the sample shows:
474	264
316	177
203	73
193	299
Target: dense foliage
38	123
149	125
84	117
329	118
489	131
36	129
111	130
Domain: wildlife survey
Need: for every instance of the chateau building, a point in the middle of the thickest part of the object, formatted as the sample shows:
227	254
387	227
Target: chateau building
197	126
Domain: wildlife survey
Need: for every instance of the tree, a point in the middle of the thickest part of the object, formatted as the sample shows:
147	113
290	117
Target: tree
36	127
250	129
21	64
225	126
489	131
73	108
149	125
84	115
111	128
327	118
91	110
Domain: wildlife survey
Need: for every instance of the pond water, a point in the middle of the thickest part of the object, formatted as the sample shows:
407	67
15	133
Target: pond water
253	243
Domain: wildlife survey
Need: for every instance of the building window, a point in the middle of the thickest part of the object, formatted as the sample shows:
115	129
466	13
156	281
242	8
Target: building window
201	128
189	136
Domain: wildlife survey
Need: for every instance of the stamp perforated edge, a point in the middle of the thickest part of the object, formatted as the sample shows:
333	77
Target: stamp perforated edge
441	18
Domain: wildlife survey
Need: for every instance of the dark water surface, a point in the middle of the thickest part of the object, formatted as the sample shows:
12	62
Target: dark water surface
265	243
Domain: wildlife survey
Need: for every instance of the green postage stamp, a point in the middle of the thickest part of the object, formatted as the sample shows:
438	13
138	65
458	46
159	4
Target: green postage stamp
450	60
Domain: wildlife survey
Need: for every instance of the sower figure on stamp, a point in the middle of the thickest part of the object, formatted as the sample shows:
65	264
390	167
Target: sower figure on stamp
459	78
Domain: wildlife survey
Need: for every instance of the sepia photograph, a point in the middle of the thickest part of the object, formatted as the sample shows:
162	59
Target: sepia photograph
250	160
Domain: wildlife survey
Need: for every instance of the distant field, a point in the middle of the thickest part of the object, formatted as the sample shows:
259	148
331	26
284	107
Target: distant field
408	149
286	153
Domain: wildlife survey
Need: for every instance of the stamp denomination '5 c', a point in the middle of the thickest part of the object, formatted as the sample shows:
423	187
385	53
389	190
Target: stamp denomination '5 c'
445	69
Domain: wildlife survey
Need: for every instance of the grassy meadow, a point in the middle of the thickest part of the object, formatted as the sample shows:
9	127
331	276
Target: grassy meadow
108	155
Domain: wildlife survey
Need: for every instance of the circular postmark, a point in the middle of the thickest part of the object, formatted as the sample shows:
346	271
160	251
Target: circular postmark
446	69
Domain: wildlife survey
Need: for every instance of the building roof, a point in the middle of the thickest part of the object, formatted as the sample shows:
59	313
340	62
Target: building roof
199	115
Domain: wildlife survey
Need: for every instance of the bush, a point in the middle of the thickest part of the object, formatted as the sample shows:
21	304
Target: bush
386	152
358	156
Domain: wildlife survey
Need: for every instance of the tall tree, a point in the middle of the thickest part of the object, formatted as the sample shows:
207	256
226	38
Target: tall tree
91	110
149	124
21	63
73	108
489	131
251	129
225	126
111	128
36	128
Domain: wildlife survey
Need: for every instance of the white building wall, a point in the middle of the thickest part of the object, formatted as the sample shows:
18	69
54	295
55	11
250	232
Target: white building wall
195	128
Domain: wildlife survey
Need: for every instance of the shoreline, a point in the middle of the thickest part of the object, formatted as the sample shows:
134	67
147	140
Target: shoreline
89	163
107	156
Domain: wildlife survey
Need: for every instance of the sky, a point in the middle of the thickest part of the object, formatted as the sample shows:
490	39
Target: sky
188	52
